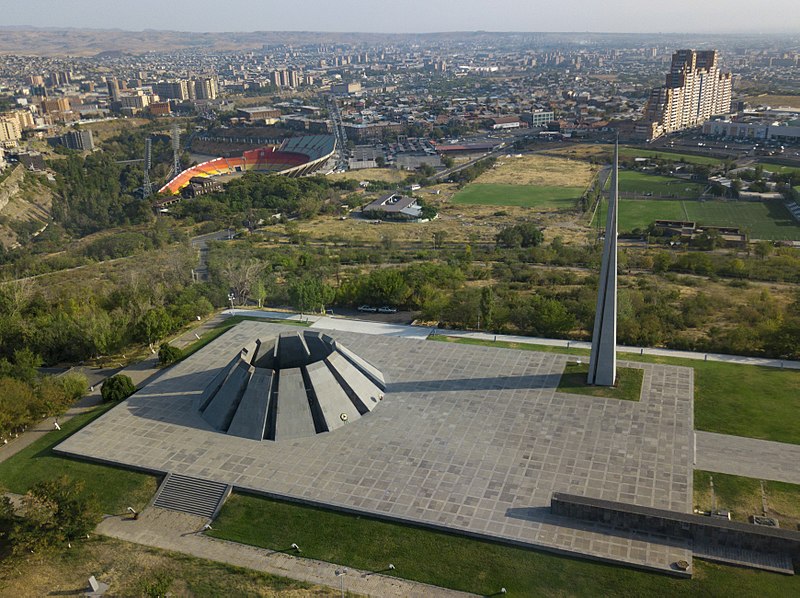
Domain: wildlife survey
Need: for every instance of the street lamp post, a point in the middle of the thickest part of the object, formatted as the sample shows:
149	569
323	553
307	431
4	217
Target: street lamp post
340	573
231	297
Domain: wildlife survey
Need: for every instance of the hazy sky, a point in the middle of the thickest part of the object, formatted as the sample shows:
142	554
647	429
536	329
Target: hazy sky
401	16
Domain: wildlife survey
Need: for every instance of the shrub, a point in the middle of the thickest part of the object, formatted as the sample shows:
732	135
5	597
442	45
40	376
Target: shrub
117	388
167	354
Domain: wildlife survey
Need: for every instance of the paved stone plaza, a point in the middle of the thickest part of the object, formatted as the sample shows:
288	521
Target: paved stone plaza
468	438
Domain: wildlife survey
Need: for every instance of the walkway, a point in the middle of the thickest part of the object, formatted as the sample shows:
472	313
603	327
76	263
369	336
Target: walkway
759	459
178	532
140	373
552	342
367	327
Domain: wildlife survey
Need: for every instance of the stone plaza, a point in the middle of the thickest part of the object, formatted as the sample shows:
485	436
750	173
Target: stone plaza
471	439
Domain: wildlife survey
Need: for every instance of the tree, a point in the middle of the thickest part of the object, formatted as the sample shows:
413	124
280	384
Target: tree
117	388
438	238
167	354
241	275
53	512
487	307
154	325
310	294
526	234
763	249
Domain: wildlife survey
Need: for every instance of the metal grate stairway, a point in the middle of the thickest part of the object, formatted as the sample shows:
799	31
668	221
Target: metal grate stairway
191	495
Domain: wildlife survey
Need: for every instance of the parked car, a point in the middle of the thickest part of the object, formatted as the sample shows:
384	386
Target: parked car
368	308
387	310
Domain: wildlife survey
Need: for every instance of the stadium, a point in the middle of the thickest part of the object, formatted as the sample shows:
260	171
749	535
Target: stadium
296	156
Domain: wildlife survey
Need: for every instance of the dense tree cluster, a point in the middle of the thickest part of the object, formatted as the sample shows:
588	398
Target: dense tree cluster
26	397
262	196
94	193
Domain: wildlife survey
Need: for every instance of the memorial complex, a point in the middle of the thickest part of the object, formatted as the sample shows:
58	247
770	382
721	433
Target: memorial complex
469	439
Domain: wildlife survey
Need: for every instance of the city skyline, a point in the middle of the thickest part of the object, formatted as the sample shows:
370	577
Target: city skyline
616	16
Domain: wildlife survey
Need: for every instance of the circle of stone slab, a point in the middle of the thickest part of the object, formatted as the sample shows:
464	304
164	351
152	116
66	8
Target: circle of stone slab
295	385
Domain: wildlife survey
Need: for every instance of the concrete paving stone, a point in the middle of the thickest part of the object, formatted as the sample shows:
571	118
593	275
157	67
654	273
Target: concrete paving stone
470	437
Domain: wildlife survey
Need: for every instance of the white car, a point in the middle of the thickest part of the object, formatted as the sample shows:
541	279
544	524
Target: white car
368	308
387	310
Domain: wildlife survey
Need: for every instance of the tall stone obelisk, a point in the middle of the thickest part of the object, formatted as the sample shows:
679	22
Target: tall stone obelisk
603	360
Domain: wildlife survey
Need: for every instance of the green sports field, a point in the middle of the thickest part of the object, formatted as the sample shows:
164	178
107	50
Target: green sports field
779	168
632	152
762	220
642	184
529	196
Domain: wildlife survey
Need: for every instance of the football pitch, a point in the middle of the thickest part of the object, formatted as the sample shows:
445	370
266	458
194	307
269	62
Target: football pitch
530	196
633	152
652	184
762	220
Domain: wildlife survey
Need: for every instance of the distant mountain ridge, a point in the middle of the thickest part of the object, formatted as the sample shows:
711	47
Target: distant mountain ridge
47	41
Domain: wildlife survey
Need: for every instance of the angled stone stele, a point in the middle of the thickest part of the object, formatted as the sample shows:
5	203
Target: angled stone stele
603	359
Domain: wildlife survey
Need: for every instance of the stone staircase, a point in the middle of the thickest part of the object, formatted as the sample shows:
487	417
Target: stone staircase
191	495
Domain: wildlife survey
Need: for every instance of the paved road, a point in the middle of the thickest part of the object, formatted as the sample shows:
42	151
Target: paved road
179	532
200	243
760	459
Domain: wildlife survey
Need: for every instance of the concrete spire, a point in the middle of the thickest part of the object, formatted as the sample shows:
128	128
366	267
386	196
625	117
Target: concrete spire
603	360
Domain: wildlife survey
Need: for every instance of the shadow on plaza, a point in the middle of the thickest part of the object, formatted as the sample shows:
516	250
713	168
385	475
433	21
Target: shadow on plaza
500	382
544	516
175	400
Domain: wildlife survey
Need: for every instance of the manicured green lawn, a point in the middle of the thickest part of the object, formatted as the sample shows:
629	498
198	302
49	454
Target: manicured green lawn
631	181
780	168
743	498
559	198
743	400
628	388
632	152
115	488
458	562
762	220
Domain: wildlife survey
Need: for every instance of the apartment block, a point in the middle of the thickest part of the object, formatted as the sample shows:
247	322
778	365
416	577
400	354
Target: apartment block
694	91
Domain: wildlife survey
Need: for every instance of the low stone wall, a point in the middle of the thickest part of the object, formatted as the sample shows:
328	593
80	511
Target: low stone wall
698	528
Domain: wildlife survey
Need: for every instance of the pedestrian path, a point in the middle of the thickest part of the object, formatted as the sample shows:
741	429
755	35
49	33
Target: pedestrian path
736	455
140	373
170	530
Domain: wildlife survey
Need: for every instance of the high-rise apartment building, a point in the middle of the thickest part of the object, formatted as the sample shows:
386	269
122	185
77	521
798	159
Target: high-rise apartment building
113	89
205	88
78	140
172	90
10	132
695	90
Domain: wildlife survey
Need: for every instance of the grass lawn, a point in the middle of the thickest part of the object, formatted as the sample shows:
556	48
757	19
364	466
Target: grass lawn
547	197
628	388
136	570
463	563
633	152
115	488
762	220
631	181
780	168
742	497
743	400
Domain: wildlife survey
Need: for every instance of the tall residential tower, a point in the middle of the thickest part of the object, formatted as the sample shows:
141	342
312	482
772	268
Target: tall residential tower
695	90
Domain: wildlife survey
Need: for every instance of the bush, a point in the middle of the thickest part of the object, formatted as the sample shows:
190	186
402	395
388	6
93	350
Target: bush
167	354
117	388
